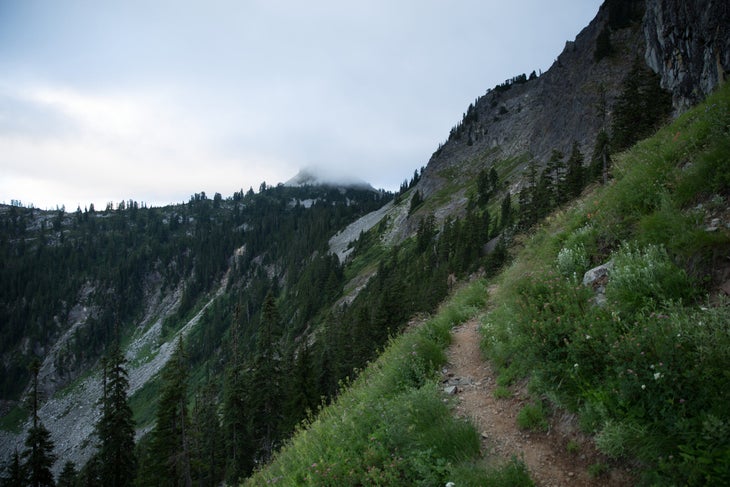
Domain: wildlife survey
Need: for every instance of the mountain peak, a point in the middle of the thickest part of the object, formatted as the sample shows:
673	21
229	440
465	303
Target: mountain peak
319	176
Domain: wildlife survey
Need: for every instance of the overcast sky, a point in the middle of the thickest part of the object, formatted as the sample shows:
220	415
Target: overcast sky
156	100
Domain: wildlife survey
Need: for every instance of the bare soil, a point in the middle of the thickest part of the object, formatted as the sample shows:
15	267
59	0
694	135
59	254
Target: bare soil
546	454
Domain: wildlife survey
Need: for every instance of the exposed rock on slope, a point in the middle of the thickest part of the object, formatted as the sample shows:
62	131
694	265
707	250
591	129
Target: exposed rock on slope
688	44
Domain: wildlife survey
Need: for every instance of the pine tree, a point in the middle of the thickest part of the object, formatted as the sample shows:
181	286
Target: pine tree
68	475
170	448
116	426
236	415
207	441
574	176
601	158
38	456
14	475
506	211
640	108
265	380
553	182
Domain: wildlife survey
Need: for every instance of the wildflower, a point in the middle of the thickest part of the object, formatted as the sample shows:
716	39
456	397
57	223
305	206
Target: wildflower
588	337
657	375
575	366
643	387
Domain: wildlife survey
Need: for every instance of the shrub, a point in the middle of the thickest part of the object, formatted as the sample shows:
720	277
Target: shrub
572	262
646	278
532	417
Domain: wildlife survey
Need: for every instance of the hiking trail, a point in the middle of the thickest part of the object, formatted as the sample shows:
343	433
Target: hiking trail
549	459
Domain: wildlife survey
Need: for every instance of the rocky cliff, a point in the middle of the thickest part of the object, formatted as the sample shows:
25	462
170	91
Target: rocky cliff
688	44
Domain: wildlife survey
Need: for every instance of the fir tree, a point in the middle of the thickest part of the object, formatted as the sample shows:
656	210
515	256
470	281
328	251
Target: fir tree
640	108
266	378
170	447
206	438
38	456
236	415
601	158
506	211
116	426
553	182
68	475
416	201
14	475
574	176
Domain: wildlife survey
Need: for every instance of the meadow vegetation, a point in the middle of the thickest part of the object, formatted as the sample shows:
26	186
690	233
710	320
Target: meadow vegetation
648	370
393	425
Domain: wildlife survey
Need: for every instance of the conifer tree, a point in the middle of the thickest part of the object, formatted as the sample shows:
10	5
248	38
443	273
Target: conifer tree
640	108
14	475
170	464
574	176
116	425
236	414
68	475
553	182
506	211
601	158
38	456
266	377
207	442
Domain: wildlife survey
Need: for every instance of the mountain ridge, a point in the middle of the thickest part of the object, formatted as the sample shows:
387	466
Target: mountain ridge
509	127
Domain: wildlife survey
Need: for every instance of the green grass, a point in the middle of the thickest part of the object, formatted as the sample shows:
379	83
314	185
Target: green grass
14	420
144	403
532	417
392	425
501	392
648	372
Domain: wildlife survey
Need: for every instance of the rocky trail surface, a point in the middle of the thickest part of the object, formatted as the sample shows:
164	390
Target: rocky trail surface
547	455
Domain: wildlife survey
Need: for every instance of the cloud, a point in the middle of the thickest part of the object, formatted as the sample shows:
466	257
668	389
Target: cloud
157	100
115	147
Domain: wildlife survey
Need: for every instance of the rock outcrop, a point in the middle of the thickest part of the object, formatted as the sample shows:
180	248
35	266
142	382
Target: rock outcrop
688	44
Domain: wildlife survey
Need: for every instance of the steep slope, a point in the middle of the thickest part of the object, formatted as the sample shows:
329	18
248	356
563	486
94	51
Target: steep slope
75	283
642	378
154	271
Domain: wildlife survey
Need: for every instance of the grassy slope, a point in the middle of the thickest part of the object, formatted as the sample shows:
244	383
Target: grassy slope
391	426
648	372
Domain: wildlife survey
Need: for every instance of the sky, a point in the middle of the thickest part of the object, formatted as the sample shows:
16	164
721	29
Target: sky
155	100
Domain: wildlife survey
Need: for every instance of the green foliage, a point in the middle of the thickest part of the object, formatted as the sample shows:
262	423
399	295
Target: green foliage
68	475
641	107
116	425
643	278
532	417
572	447
168	461
391	425
647	372
573	261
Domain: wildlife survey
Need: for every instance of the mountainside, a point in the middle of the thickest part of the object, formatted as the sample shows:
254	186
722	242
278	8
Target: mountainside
271	299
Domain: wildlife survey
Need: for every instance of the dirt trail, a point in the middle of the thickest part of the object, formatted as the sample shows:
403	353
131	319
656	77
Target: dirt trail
545	454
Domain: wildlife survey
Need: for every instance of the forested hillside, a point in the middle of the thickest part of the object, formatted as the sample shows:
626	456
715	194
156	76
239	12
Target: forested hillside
226	341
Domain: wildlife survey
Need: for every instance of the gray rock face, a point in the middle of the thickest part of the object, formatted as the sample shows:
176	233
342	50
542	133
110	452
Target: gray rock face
597	278
528	120
688	44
